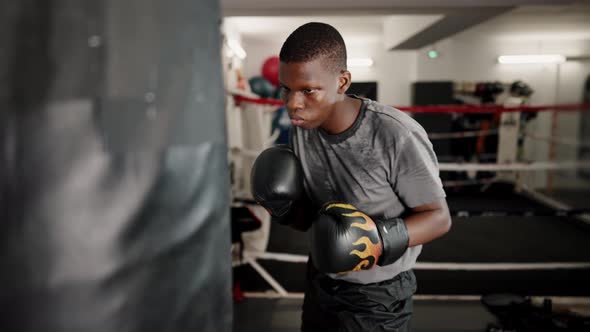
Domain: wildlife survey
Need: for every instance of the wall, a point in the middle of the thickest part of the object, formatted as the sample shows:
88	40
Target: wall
258	50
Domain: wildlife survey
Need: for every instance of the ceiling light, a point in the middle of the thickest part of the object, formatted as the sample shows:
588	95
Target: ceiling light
531	58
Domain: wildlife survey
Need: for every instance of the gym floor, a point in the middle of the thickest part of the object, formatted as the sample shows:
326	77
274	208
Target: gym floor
429	316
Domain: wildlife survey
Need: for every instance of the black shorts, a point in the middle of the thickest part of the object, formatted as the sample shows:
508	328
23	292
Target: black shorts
336	305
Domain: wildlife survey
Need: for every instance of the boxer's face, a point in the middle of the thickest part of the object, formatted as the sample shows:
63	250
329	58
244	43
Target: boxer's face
310	91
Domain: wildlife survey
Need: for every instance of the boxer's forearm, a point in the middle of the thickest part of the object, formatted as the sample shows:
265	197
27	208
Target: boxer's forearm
428	222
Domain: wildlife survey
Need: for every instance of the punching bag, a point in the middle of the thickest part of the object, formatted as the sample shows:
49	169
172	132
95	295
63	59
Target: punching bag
584	152
113	175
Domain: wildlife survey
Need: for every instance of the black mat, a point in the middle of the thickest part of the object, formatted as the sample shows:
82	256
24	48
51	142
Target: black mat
538	283
577	199
496	197
511	239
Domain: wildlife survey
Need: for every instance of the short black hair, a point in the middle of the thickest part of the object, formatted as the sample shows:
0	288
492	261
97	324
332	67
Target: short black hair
312	41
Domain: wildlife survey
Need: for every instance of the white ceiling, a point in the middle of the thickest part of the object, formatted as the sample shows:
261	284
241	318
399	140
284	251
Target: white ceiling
233	7
399	28
570	21
274	28
331	7
542	23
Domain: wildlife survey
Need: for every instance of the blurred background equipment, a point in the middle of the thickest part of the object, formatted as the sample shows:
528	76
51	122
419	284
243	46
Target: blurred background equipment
270	70
584	153
262	87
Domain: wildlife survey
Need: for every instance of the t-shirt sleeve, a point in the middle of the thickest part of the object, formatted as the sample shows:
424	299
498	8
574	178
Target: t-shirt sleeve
417	181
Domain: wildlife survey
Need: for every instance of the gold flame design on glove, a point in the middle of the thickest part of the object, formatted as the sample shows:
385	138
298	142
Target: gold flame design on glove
371	250
340	205
366	226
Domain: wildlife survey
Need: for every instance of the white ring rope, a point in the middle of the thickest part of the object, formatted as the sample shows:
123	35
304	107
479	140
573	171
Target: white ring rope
447	266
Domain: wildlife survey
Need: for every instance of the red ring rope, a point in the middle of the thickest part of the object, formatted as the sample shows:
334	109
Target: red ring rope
448	108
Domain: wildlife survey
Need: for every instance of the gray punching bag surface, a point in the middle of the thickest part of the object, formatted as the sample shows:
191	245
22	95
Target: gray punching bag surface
114	212
584	152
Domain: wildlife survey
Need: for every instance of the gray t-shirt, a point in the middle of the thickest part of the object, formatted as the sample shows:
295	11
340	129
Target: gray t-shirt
383	164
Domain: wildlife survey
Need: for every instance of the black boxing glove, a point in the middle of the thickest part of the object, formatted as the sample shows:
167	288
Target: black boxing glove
277	181
344	239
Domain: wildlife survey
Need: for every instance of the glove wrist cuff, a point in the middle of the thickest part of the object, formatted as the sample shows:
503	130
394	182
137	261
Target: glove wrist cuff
395	239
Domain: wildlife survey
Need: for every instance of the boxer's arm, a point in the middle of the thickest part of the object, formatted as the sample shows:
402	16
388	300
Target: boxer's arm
428	222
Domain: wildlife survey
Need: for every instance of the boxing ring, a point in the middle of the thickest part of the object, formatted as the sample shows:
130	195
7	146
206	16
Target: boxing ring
506	237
